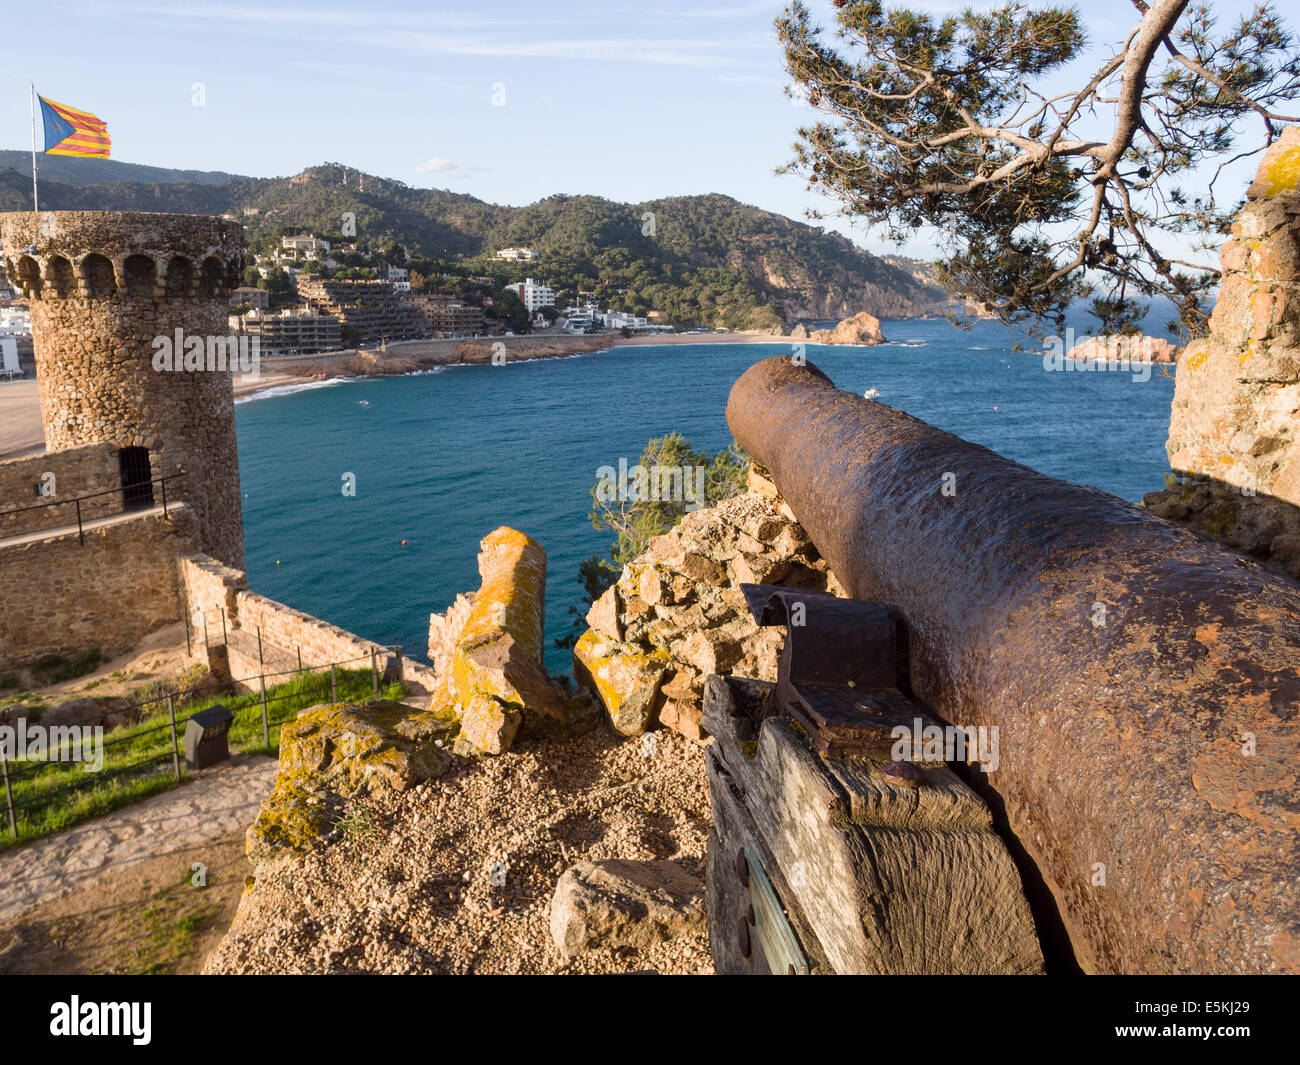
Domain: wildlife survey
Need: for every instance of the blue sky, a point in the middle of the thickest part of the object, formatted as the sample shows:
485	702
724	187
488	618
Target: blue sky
627	100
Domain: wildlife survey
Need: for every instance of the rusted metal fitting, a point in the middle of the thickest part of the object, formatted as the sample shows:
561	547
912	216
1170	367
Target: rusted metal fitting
908	774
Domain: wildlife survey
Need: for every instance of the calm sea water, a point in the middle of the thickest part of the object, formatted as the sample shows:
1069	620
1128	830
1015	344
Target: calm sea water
442	459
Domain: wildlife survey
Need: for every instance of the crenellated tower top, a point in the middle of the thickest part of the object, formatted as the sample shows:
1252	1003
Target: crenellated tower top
124	255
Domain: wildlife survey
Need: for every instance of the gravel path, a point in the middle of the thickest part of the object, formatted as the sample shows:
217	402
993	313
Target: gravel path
456	875
223	799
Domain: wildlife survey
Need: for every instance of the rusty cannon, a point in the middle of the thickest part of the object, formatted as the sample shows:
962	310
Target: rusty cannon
1144	682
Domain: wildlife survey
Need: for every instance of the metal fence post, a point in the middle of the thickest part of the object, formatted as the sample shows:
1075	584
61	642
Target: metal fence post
401	670
189	652
334	683
176	754
9	798
266	726
224	638
374	672
81	533
299	659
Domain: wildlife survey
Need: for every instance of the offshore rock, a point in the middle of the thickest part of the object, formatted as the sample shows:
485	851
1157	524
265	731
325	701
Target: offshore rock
1114	348
862	328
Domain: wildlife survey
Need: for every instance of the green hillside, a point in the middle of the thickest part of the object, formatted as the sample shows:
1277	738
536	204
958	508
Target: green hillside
706	259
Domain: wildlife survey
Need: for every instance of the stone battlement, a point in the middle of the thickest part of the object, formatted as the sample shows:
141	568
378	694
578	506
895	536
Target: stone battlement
122	255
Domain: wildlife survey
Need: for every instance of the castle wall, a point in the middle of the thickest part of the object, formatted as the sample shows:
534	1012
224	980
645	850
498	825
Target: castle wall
77	472
105	288
211	587
321	642
61	597
1235	422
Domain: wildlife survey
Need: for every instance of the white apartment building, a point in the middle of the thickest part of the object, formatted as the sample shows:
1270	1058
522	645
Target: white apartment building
398	273
518	255
580	319
623	320
15	320
305	244
9	357
534	295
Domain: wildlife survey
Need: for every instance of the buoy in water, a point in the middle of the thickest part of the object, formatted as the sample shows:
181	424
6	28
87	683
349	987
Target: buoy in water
403	543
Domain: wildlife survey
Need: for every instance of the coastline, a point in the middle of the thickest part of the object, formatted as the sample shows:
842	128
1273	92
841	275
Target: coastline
20	413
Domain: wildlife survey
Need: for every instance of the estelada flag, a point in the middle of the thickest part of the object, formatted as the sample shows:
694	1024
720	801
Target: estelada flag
72	132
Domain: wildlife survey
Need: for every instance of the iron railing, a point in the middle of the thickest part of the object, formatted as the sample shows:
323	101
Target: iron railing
77	500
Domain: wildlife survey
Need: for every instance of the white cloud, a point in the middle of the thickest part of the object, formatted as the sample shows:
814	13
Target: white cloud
448	168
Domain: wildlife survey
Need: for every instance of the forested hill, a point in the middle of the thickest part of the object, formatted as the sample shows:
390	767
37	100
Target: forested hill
696	257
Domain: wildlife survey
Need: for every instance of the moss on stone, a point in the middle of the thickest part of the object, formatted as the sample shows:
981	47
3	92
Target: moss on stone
334	751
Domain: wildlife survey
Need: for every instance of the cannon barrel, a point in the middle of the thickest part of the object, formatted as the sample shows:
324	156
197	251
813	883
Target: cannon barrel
1145	682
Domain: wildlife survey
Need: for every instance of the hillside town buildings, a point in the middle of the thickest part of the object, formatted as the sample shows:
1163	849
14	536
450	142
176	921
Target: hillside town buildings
297	331
305	245
333	312
256	299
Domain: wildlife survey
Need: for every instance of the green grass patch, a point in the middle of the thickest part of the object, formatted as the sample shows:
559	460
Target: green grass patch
137	759
55	669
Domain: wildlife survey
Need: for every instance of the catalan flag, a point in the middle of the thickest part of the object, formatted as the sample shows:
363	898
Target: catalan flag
72	132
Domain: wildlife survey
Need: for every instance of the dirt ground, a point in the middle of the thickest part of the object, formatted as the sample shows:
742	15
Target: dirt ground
160	655
456	875
149	917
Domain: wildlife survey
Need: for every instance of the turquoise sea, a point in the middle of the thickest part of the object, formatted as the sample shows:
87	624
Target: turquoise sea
443	458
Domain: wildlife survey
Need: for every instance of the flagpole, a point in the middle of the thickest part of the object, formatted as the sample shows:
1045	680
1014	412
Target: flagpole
36	202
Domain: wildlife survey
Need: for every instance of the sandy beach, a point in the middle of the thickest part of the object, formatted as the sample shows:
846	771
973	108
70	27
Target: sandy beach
20	411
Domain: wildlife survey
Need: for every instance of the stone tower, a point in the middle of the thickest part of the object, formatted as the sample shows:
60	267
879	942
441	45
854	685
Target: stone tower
103	287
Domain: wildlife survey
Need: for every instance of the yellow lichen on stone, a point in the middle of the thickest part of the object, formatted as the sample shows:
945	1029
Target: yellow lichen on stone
336	750
1279	170
495	672
512	597
626	683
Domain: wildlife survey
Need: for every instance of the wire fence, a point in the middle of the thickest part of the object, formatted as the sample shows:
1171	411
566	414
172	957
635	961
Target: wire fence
146	753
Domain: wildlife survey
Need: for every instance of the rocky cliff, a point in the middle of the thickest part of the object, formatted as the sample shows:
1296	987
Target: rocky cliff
1234	432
